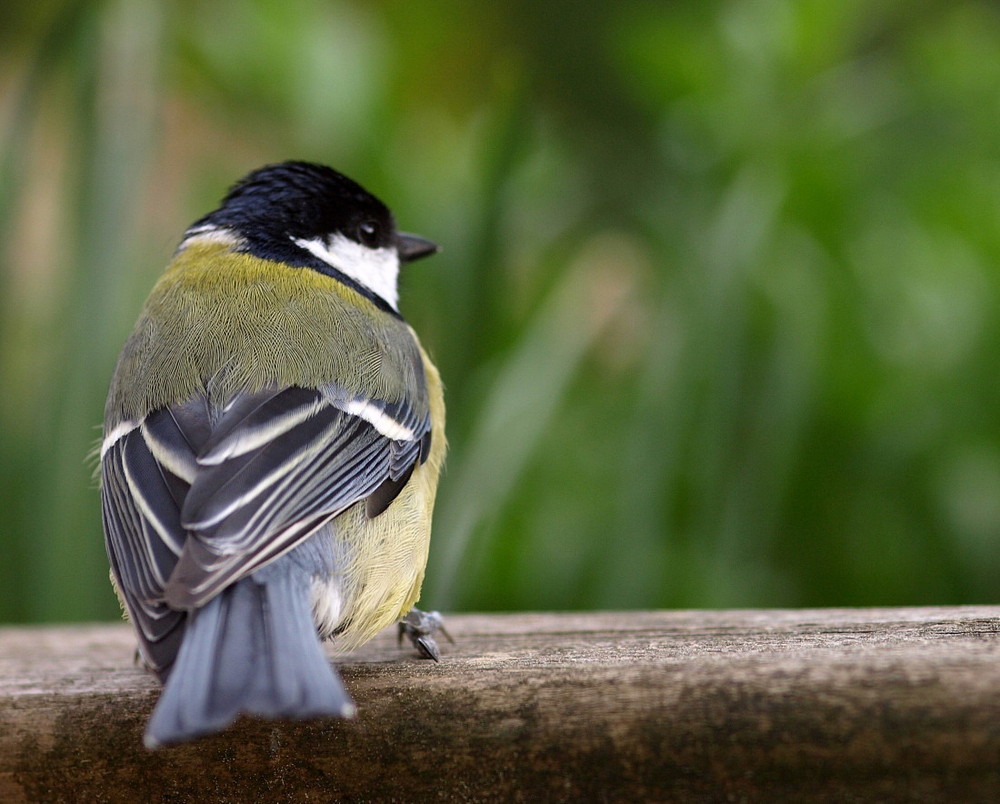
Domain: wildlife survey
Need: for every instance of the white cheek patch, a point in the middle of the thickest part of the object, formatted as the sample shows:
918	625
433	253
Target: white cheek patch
376	269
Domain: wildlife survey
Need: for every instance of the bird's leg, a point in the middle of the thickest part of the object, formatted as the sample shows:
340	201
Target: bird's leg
419	627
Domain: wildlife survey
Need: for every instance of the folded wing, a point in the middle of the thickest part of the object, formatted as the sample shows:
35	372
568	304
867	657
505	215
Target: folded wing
196	497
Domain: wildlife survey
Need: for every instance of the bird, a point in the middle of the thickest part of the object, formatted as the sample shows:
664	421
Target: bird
273	437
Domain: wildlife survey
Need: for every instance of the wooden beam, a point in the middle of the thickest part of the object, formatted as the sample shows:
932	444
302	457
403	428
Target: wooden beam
825	705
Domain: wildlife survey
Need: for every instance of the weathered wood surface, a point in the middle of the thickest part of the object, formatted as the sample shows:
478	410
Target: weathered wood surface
826	705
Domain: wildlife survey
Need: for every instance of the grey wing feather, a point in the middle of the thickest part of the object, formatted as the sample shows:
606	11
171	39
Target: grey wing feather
141	558
277	466
198	496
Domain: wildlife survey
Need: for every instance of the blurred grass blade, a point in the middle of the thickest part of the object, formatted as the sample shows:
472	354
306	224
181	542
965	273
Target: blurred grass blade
118	74
530	385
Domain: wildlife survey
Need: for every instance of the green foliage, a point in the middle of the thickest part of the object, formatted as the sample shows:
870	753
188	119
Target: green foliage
716	308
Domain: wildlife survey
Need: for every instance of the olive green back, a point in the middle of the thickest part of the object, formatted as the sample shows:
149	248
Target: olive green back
227	322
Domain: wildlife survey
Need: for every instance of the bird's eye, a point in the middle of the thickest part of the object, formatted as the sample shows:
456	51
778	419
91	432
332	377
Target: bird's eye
369	233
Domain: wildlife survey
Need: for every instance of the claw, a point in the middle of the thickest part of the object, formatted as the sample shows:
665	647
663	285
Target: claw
419	627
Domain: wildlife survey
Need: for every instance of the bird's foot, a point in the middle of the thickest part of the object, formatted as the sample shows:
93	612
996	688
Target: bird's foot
419	627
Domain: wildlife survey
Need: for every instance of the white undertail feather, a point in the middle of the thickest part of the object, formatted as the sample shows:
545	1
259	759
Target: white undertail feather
326	604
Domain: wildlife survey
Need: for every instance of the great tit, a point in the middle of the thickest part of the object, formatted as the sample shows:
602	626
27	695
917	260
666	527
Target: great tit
272	441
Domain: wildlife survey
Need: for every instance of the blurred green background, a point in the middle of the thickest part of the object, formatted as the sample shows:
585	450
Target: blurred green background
717	307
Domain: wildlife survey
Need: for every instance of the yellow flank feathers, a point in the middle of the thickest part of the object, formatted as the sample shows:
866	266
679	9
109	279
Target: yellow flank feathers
381	561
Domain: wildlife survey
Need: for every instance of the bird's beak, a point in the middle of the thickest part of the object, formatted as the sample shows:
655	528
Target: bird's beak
413	247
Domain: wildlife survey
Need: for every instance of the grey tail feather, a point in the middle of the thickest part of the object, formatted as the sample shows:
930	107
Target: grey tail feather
253	649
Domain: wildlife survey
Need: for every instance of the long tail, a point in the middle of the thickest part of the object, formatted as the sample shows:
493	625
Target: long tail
251	650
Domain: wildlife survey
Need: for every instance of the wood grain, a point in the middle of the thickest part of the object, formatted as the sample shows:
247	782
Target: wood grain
824	705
